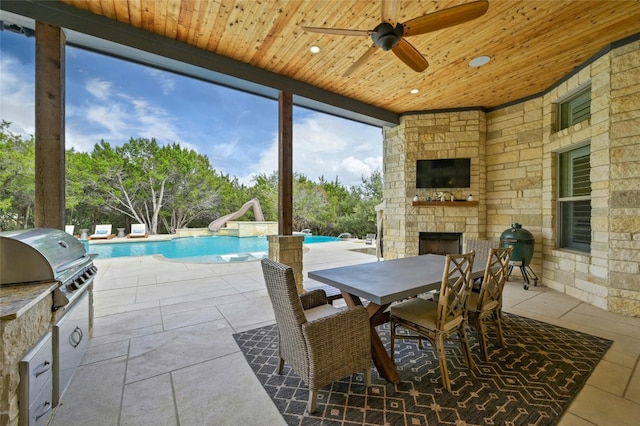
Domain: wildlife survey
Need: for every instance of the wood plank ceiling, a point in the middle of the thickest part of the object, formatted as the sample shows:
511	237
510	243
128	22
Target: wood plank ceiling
533	44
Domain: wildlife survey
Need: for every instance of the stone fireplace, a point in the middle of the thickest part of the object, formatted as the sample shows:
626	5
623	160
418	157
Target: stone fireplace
438	135
440	243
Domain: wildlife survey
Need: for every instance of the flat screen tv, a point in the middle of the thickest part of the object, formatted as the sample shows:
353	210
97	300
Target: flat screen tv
443	173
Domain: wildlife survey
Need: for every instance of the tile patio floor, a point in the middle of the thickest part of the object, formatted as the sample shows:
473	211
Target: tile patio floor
162	352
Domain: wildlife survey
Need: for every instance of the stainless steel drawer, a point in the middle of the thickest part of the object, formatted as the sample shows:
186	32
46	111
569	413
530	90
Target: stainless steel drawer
70	341
40	408
36	379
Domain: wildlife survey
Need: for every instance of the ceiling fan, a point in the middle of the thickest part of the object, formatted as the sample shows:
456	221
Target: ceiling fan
390	34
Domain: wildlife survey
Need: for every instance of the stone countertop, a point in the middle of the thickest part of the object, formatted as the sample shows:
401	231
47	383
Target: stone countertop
17	299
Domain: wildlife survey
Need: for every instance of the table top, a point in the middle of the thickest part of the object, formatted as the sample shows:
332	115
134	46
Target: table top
390	280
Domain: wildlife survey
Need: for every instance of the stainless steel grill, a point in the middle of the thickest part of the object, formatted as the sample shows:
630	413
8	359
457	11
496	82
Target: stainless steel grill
45	255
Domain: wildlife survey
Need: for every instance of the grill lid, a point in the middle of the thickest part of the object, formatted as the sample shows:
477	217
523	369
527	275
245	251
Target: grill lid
39	254
517	235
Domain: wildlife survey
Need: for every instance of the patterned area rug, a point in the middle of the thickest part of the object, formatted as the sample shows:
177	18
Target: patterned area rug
531	381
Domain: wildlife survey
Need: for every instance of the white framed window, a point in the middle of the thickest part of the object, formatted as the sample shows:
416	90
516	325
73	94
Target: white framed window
574	199
575	108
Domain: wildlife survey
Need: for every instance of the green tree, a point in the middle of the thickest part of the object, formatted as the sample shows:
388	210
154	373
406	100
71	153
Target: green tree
17	179
148	182
265	189
191	192
84	205
361	220
309	204
142	181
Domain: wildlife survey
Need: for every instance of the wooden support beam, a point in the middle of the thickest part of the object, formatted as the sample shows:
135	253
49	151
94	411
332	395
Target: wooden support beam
49	135
285	164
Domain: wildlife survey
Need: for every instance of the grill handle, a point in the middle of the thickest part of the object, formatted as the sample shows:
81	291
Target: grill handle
76	262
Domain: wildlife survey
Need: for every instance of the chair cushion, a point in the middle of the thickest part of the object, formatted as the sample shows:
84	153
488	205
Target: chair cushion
320	312
472	302
418	311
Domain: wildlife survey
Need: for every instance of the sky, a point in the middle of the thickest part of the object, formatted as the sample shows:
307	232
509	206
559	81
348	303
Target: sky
114	100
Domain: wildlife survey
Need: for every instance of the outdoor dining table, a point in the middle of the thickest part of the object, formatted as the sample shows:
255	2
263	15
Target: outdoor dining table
382	283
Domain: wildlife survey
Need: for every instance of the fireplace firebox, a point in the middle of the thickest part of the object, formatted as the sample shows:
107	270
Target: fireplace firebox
440	243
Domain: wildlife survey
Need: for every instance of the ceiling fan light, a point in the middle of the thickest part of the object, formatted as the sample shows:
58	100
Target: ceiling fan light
387	41
386	36
479	61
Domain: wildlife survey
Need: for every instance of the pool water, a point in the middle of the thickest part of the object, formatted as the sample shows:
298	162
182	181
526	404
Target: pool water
197	249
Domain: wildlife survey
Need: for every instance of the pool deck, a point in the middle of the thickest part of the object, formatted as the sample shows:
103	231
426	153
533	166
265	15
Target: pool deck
163	351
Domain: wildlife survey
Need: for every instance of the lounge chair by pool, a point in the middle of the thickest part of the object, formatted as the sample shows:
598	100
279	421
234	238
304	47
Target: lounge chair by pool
138	230
102	232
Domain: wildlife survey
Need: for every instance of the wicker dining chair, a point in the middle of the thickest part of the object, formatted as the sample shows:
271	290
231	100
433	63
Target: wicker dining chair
481	247
321	343
485	307
442	320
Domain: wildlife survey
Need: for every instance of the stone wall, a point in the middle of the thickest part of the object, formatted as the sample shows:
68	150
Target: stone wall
514	172
607	277
624	178
287	249
18	336
514	151
233	229
431	136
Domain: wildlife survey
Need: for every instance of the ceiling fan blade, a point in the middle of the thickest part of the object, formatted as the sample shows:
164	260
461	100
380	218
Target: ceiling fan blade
410	56
390	11
445	18
361	61
338	31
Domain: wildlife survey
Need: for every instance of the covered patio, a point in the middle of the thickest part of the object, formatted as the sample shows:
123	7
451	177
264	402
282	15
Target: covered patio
504	116
163	351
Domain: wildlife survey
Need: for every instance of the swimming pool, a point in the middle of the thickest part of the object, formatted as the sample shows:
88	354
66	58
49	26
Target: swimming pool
197	249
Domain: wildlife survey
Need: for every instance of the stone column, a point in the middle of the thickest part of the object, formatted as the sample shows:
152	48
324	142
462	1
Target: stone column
287	249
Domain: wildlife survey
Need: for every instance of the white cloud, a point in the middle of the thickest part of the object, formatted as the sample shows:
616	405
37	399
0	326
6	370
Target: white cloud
151	120
166	81
116	117
17	95
98	88
328	146
226	150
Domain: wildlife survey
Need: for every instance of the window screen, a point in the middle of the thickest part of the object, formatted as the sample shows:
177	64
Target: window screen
575	199
575	109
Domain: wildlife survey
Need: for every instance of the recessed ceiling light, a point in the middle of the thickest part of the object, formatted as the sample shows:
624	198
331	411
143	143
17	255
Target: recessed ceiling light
314	49
414	91
479	61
